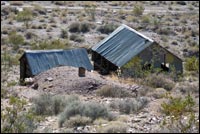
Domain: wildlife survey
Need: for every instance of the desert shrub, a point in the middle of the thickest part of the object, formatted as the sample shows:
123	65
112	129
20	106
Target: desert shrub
74	27
64	34
90	11
30	35
15	39
181	2
4	31
11	83
60	3
43	105
52	44
91	109
145	19
85	27
176	109
15	120
100	121
79	27
10	59
107	28
129	105
46	104
4	93
138	9
49	29
16	3
192	64
159	81
94	110
25	16
78	120
158	93
165	31
186	87
42	20
38	8
144	90
110	91
113	127
76	38
134	69
192	51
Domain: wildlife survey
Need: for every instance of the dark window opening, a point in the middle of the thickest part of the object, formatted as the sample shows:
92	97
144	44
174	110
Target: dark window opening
165	66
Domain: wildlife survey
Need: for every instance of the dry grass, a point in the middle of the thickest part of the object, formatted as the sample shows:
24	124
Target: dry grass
113	127
113	91
78	121
131	81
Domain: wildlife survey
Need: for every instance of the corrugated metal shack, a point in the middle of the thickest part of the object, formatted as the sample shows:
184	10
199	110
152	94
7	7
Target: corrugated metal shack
34	62
124	44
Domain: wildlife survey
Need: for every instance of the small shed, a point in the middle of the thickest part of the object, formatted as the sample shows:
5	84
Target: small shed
34	62
125	43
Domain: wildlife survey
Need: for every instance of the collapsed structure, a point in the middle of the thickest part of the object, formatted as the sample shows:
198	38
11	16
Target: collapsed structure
34	62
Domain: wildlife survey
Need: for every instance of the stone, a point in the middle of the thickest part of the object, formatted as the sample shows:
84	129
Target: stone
79	128
35	86
136	120
49	79
143	116
50	86
29	81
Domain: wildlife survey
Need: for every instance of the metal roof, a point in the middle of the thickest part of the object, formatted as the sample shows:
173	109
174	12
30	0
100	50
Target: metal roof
42	60
122	45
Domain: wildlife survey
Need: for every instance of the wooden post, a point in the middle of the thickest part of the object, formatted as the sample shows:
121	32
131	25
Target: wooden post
81	72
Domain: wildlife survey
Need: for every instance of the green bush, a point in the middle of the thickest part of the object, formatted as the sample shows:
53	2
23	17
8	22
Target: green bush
76	38
134	69
145	19
192	64
74	27
15	39
85	27
79	27
11	83
129	105
10	59
138	10
26	15
90	109
15	120
176	109
110	91
4	93
64	34
90	11
107	28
